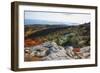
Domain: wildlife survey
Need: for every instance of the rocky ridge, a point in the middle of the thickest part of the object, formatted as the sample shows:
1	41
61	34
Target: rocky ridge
51	51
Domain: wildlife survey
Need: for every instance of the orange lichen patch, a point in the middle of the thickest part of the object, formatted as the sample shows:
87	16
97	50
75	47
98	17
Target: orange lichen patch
31	42
76	49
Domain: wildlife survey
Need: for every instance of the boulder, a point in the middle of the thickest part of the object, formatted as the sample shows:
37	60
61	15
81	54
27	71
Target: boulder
85	49
39	51
69	51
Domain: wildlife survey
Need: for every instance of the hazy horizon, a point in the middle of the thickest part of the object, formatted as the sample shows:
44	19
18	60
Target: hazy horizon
55	18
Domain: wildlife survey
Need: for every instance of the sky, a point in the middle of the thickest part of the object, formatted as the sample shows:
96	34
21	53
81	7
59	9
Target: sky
35	17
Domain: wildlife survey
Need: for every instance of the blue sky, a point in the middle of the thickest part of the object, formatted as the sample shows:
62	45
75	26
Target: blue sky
68	18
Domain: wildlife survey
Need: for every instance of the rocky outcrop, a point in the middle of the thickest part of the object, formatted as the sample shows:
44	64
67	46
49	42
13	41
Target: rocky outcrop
51	51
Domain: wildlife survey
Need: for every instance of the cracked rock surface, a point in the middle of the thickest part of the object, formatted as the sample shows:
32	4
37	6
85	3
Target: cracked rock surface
51	51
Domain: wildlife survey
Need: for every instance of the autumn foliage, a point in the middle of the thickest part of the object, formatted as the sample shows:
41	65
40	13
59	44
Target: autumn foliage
32	42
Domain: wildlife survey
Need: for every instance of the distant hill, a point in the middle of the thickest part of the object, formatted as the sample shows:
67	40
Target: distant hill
47	29
45	22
